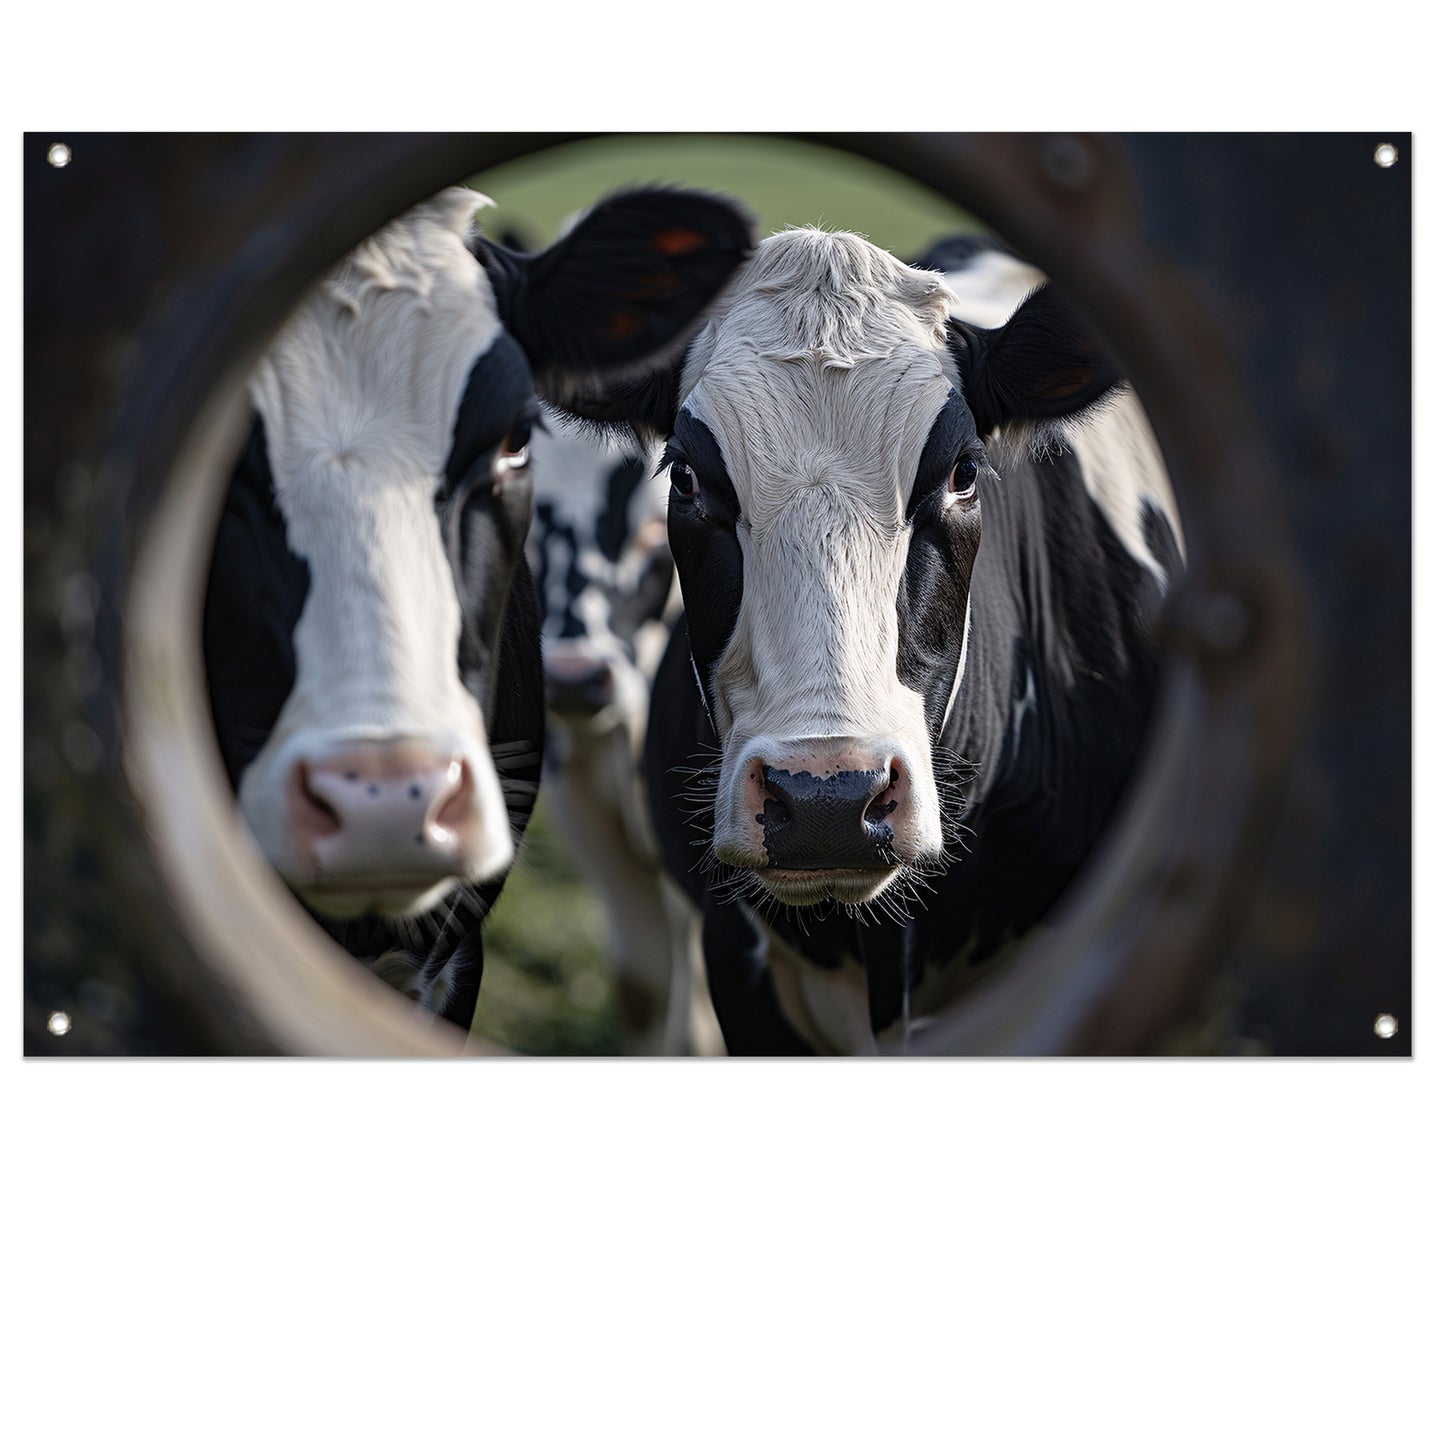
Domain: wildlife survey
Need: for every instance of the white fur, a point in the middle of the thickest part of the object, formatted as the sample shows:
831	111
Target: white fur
988	290
820	374
1124	473
358	395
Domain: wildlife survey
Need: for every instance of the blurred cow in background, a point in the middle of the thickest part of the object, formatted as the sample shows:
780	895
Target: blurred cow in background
598	548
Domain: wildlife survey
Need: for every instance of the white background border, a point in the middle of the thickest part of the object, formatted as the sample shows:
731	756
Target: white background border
1033	1251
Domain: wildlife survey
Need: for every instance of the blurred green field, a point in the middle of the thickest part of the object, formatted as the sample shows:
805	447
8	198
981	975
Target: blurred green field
546	988
785	183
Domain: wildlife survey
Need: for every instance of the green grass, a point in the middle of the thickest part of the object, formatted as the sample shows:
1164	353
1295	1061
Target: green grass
546	988
785	183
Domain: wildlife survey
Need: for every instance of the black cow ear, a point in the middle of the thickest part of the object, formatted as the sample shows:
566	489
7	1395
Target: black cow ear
1041	365
625	284
642	405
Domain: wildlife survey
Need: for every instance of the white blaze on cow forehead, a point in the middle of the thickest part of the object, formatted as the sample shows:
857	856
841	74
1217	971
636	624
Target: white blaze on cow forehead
825	296
372	365
820	374
822	365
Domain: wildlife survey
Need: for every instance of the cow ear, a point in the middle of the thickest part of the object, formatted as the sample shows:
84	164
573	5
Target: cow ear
642	405
626	283
1041	365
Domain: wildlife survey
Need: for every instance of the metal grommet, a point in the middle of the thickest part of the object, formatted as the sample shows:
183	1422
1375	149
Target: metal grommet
1386	1026
58	155
58	1023
1386	155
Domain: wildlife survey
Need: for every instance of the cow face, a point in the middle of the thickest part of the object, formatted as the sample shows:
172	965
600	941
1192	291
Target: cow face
368	598
599	551
828	452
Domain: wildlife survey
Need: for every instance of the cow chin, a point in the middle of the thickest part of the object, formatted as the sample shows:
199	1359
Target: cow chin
385	900
354	897
803	888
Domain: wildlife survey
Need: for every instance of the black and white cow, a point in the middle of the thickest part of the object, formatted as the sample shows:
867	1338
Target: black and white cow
598	548
919	546
371	629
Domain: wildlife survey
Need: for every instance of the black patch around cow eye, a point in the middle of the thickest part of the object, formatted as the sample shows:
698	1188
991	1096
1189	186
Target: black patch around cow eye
684	480
518	436
961	479
497	398
694	446
953	430
255	592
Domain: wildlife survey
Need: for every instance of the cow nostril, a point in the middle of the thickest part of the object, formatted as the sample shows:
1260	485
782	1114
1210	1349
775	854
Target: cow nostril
885	800
454	800
317	815
776	811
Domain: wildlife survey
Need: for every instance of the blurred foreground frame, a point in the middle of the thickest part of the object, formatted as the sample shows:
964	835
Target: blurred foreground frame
1254	893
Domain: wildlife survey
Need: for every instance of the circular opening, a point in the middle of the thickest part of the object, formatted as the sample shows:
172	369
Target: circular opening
58	1023
1386	155
58	155
1151	895
1386	1026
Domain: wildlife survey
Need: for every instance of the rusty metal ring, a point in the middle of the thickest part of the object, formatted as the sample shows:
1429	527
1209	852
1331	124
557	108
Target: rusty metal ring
1134	941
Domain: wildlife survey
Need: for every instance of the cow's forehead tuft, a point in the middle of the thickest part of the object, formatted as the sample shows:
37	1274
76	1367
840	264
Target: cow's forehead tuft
413	253
828	297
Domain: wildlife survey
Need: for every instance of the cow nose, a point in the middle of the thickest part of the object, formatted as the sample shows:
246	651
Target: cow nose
578	683
837	820
383	813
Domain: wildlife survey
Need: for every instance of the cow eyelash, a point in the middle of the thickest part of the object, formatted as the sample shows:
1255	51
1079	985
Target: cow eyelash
514	451
684	479
963	479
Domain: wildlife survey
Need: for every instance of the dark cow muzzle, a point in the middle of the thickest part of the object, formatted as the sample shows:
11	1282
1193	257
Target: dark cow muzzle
825	817
836	821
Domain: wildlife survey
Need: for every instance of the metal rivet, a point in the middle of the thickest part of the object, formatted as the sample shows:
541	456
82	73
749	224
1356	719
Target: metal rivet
82	749
1386	1025
1067	162
1386	155
58	155
1218	622
58	1023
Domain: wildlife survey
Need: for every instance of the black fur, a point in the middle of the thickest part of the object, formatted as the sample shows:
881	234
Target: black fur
1041	740
498	399
933	594
1041	364
702	532
255	591
665	252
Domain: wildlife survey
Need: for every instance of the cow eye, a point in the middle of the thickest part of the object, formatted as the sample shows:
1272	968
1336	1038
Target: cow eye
961	480
514	452
684	480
